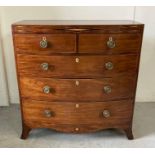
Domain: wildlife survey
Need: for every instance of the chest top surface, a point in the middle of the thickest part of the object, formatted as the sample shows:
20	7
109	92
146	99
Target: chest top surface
77	22
77	26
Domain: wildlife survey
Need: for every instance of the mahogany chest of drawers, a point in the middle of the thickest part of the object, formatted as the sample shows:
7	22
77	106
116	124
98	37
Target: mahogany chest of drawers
77	76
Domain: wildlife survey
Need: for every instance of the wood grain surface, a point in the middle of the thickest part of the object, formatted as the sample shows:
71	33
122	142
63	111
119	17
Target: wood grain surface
89	66
87	115
97	43
87	90
56	43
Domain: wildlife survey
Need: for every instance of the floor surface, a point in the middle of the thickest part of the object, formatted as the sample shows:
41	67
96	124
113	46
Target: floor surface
143	130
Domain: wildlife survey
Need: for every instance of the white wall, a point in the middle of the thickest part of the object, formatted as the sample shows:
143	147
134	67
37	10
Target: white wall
4	100
146	82
12	14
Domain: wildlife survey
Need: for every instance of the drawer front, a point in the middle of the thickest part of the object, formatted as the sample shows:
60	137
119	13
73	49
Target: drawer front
109	43
77	66
96	115
77	89
45	43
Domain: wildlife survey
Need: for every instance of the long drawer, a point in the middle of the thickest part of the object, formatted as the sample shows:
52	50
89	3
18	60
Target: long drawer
77	66
45	43
77	89
73	116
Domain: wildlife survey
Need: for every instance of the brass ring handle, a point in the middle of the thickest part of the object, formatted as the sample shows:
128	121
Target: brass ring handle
43	43
111	43
48	113
47	89
106	113
109	65
107	89
45	66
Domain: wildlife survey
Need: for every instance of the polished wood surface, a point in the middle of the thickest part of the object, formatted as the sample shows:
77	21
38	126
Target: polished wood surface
90	84
67	113
89	66
97	43
56	43
77	22
86	90
84	26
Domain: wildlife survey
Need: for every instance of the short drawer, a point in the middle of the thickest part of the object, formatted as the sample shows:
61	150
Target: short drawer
109	43
76	116
77	66
45	43
77	89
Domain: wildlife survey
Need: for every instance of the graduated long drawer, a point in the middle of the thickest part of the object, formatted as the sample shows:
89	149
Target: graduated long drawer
77	66
49	89
68	117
